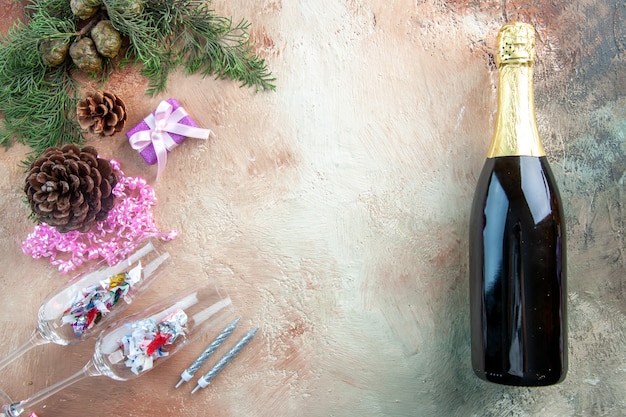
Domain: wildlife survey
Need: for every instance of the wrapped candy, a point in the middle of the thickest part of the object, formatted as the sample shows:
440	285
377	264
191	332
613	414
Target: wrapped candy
173	325
148	340
94	302
161	131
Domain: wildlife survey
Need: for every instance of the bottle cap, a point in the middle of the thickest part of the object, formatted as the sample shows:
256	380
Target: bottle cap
516	44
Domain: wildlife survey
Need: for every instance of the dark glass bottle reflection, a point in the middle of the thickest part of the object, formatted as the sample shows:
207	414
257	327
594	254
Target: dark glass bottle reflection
517	239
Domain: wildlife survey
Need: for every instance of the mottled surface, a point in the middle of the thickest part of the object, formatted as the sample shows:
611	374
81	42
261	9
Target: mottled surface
335	213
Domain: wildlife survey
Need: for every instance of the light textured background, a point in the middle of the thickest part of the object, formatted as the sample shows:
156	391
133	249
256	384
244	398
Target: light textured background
335	213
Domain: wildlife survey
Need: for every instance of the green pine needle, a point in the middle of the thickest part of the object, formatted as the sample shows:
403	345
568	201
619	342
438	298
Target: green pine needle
187	33
36	101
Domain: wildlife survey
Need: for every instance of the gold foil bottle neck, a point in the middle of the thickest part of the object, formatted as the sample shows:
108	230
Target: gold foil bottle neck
516	132
516	44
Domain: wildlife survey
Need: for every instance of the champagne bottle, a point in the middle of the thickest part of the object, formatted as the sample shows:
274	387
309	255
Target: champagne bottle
517	255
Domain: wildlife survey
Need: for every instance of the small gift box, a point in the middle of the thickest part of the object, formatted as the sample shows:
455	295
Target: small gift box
162	130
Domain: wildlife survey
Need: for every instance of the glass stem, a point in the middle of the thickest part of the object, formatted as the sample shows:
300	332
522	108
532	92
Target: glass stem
35	339
18	408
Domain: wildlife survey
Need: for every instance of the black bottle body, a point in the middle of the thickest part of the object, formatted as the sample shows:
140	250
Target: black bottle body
518	274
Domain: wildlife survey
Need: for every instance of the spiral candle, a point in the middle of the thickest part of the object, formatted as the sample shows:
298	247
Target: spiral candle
208	377
193	368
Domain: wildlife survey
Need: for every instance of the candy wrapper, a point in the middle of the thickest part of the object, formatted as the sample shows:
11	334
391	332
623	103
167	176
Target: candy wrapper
161	131
88	306
148	341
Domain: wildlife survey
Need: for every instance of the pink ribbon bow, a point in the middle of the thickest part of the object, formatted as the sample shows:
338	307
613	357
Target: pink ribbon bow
165	120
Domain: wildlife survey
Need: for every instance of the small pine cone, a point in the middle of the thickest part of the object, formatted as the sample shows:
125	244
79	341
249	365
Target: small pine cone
131	7
101	113
70	188
54	51
84	9
108	41
86	57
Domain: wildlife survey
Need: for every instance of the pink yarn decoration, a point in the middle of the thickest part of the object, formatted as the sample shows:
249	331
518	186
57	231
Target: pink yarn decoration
128	222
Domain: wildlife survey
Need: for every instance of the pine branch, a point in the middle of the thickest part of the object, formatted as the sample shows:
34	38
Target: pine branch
35	101
188	33
214	46
59	9
146	42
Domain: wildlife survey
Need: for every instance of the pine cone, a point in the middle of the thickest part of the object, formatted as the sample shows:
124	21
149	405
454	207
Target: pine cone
54	51
101	113
70	188
86	57
130	7
84	9
108	41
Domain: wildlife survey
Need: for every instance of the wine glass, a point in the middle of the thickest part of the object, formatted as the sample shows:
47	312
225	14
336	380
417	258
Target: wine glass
130	347
86	303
